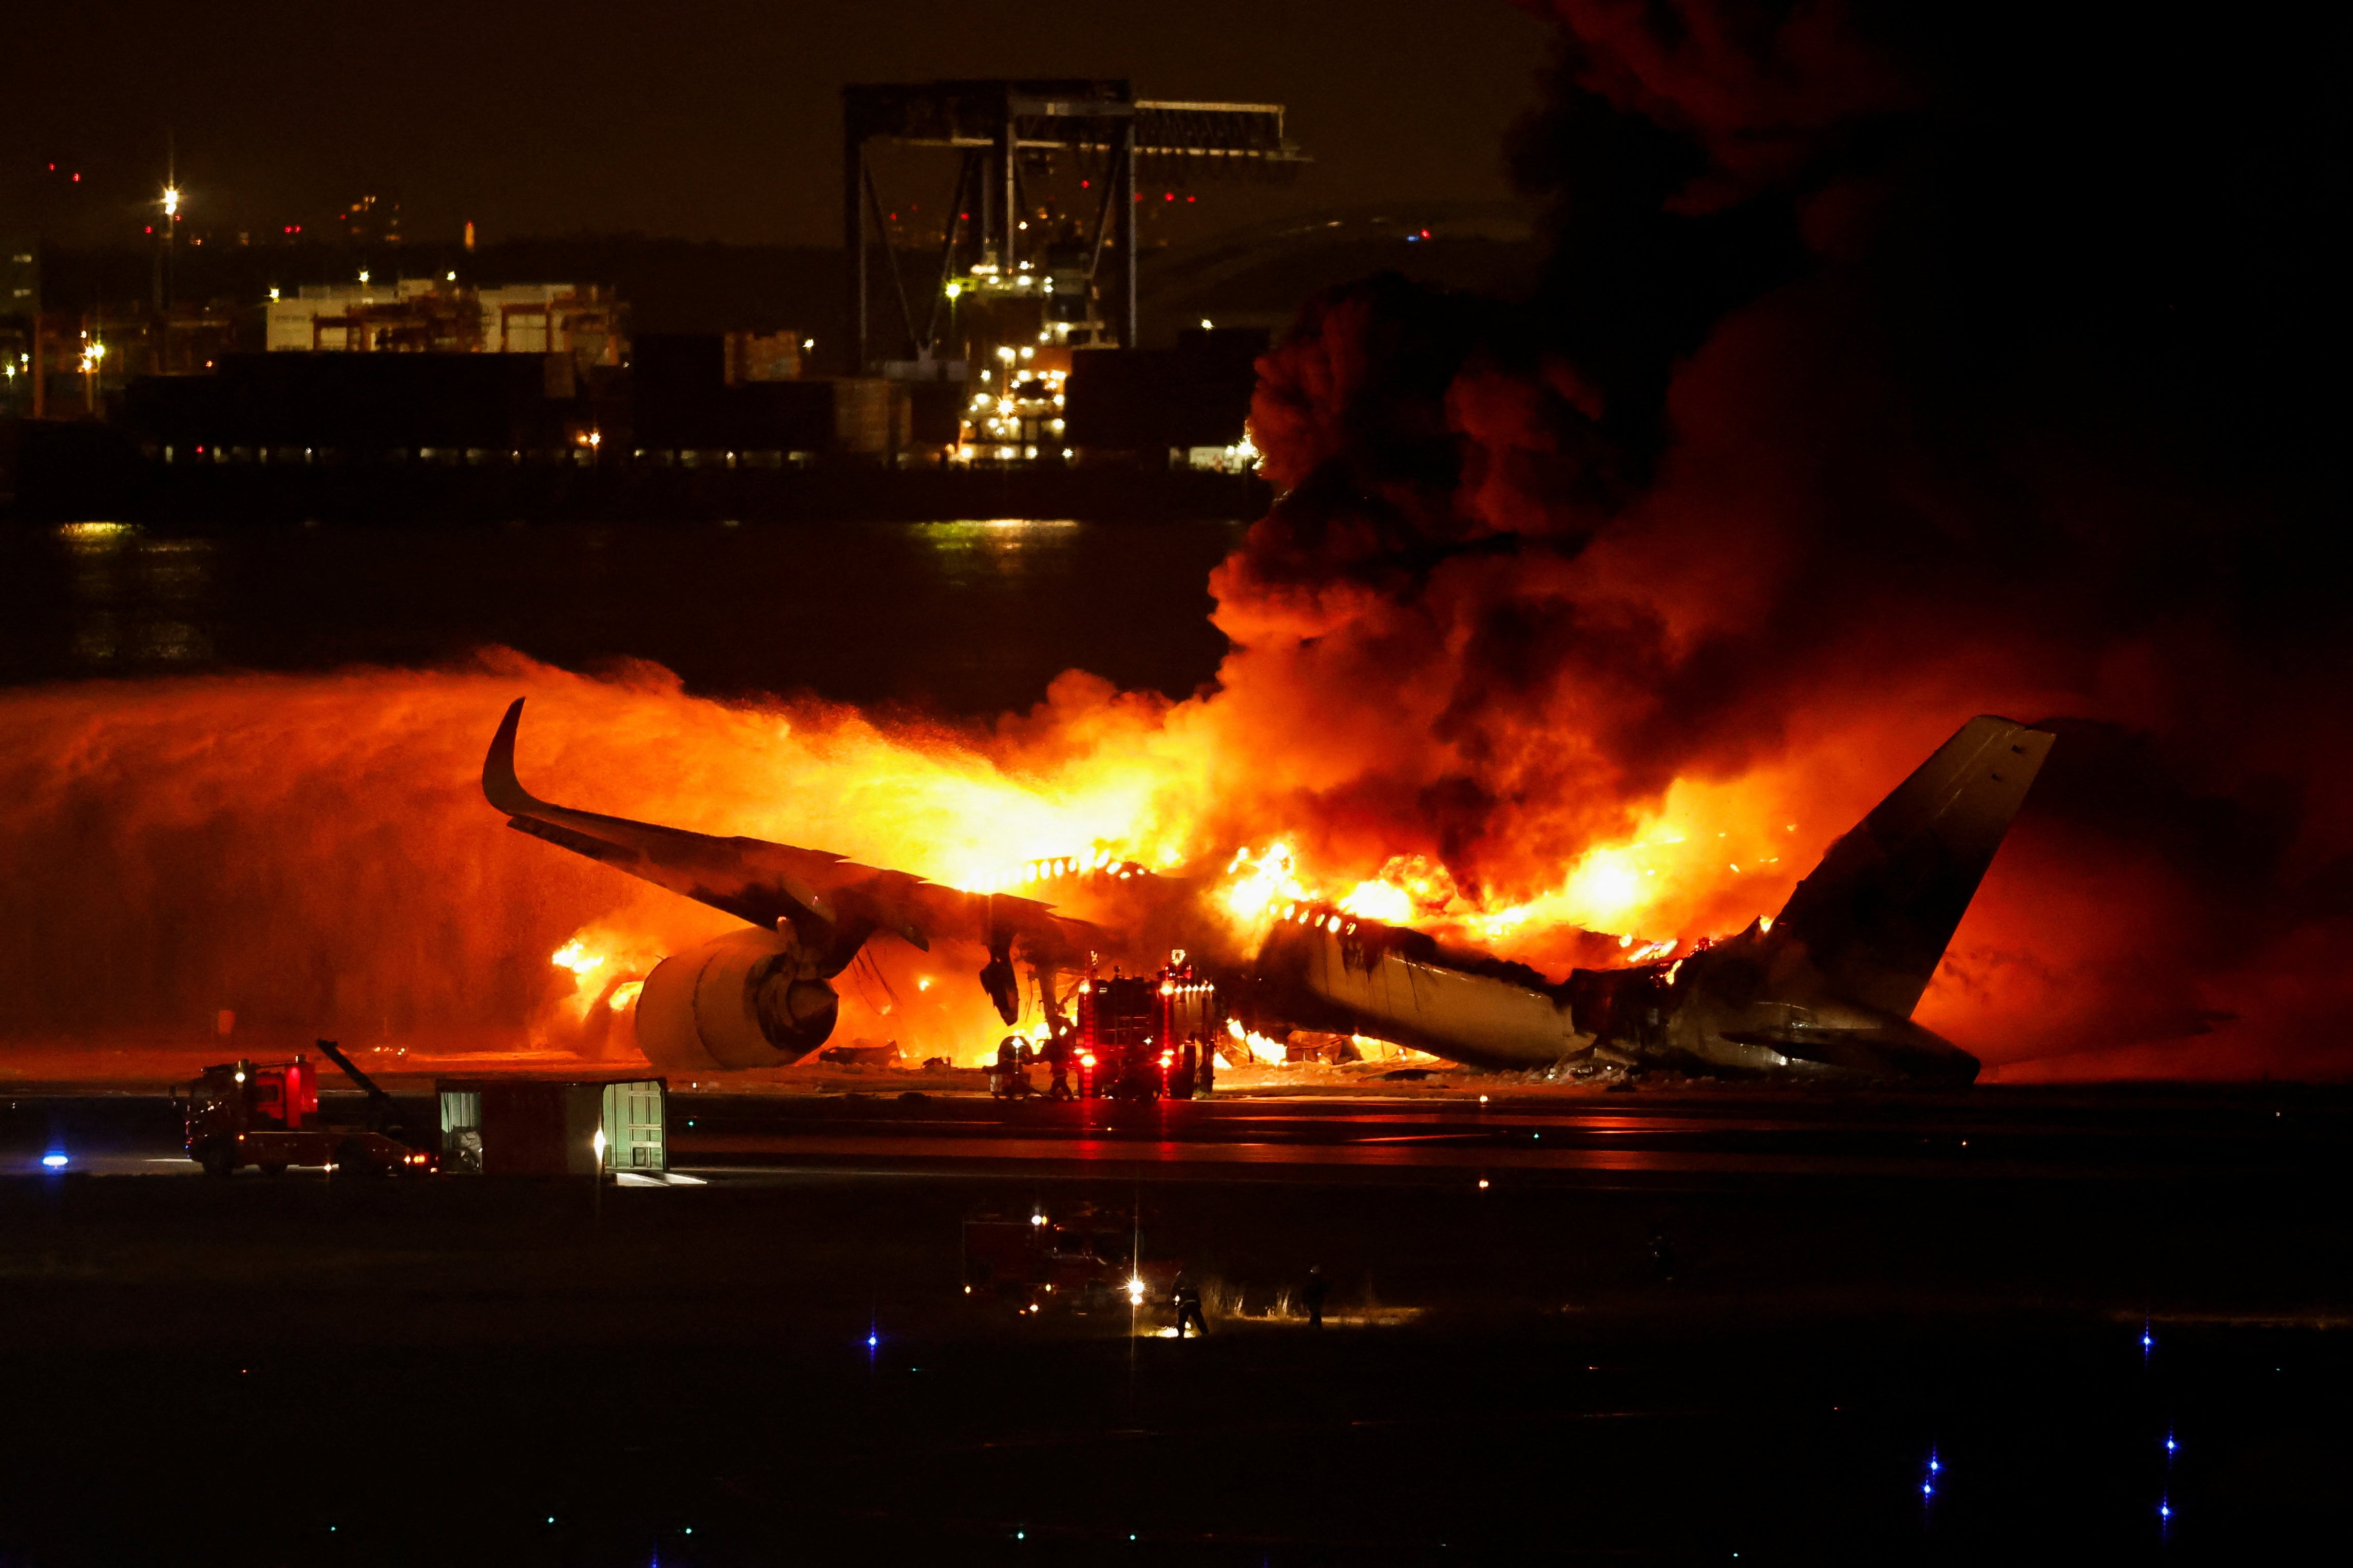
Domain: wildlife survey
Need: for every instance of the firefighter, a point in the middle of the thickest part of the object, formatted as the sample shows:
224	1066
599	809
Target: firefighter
1010	1081
1317	1287
1188	1063
1059	1052
1187	1299
1208	1080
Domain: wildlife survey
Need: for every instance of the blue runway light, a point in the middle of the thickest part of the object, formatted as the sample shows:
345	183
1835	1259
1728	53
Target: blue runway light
872	1340
54	1162
1933	1466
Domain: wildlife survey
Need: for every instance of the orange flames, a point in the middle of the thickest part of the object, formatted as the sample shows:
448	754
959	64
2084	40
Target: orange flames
1544	639
1518	749
314	853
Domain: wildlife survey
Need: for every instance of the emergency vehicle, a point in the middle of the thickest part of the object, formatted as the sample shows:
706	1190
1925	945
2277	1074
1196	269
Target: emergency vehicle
266	1115
1130	1029
1090	1261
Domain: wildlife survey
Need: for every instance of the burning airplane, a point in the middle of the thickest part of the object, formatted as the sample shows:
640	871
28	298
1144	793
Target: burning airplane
1824	989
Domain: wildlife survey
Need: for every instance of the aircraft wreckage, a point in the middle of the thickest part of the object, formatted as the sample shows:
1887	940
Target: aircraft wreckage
1825	989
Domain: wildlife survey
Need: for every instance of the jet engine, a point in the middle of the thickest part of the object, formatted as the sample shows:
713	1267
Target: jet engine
749	999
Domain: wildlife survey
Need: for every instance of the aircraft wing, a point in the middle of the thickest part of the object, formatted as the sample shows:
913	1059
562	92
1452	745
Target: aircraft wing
829	899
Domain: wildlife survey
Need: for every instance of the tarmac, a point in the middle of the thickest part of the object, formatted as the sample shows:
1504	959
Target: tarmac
1667	1325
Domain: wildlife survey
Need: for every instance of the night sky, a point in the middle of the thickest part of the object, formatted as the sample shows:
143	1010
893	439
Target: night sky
701	118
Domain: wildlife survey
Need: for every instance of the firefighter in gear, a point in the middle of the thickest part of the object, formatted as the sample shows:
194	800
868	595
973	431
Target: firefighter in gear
1012	1078
1059	1052
1187	1296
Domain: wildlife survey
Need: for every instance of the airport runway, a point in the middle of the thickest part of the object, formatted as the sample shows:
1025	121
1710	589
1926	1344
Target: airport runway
1672	1326
1530	1139
1655	1140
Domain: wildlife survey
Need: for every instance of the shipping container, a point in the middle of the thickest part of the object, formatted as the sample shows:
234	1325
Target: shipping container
554	1127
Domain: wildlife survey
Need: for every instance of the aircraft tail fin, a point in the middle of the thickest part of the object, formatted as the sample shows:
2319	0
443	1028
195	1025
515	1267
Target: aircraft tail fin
1878	913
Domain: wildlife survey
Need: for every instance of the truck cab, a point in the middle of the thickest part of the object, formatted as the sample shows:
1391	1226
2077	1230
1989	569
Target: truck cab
1090	1262
231	1101
1130	1029
266	1115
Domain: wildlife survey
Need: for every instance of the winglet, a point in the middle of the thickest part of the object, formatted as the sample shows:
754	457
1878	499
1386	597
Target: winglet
499	784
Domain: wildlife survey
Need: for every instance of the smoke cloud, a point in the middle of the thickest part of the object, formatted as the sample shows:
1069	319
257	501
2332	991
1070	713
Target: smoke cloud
1891	366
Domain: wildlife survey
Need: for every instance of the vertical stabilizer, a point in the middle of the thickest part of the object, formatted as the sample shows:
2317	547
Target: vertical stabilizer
1876	916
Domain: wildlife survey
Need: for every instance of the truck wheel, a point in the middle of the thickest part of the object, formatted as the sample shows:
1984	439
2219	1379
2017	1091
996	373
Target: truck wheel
219	1160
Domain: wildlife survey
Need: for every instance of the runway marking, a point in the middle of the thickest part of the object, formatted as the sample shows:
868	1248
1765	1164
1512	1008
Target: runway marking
1107	1150
1420	1137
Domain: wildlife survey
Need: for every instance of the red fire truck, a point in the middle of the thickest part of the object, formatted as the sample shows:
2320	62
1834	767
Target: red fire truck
1088	1261
266	1114
1130	1029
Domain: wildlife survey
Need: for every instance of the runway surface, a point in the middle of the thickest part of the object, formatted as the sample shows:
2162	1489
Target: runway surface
1398	1134
1649	1327
1535	1138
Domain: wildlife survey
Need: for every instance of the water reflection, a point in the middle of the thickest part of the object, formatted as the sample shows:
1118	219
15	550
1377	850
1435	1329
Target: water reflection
965	532
968	551
95	535
972	616
134	596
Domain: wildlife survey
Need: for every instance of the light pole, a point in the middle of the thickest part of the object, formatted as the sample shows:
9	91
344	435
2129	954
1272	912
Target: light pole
164	280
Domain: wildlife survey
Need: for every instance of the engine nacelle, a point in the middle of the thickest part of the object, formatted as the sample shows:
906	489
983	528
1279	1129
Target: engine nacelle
743	1000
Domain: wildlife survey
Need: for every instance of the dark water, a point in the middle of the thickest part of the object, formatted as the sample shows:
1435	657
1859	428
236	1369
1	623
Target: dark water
966	618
